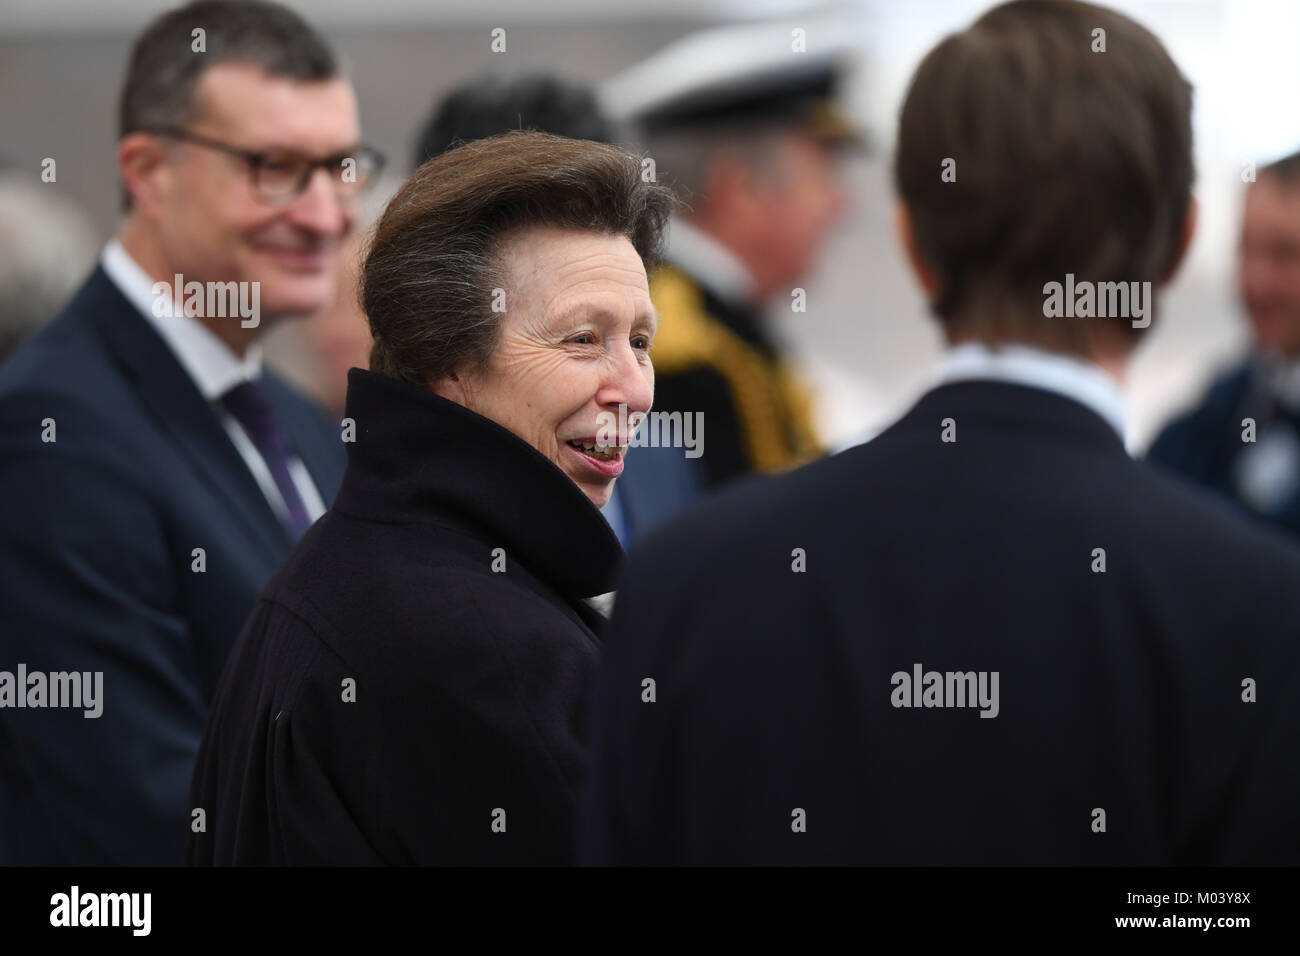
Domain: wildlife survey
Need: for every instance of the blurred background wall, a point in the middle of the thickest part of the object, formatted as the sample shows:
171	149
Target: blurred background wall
866	337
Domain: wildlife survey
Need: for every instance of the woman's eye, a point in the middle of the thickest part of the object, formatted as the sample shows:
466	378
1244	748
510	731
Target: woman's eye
586	338
641	342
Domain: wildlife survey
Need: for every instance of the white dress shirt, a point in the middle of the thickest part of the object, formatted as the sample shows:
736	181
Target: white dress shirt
215	369
707	261
1074	378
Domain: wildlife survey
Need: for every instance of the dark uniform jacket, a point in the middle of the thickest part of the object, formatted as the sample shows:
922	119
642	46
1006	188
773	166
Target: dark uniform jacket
99	531
1205	444
413	683
713	356
1162	691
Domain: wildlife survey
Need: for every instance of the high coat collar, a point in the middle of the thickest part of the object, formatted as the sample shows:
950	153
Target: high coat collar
418	457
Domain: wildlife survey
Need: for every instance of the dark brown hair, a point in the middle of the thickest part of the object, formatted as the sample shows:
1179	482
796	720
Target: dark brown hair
1067	161
428	277
164	69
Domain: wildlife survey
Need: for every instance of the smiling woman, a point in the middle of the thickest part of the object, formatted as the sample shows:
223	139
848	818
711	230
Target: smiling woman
413	685
509	276
572	343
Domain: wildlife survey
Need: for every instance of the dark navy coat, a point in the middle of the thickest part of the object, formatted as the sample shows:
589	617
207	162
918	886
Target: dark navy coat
98	531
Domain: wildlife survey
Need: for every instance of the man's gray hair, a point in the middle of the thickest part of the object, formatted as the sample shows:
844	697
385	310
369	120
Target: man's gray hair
47	245
684	158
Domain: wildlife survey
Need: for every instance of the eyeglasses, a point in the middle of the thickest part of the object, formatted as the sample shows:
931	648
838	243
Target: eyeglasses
280	175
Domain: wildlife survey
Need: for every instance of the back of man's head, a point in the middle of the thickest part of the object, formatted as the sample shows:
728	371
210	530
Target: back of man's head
490	105
1049	140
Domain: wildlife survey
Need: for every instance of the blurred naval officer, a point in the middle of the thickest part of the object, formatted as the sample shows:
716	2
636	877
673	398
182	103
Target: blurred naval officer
741	122
1243	439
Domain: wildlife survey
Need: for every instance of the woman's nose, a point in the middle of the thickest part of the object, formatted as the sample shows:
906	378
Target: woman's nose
629	380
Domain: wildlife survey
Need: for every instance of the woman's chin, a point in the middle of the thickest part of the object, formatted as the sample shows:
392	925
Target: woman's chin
598	491
595	477
599	494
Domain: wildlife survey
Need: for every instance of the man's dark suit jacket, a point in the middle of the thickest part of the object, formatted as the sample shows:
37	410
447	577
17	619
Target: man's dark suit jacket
1120	691
1204	444
98	532
413	685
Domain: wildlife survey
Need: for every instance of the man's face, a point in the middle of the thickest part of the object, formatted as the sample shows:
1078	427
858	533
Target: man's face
216	228
574	346
802	198
1270	264
339	335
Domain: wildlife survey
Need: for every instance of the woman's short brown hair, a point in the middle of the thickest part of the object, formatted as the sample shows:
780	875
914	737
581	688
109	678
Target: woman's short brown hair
1067	160
428	277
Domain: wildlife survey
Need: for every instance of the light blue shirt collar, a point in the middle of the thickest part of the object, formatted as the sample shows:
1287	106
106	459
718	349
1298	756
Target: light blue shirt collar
1074	378
708	261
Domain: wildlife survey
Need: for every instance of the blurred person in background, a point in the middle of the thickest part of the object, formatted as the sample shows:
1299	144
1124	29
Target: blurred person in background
46	245
315	355
491	104
1243	439
152	476
747	131
988	636
658	481
412	686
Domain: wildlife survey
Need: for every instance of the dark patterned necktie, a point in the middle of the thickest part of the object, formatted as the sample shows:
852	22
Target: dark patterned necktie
252	409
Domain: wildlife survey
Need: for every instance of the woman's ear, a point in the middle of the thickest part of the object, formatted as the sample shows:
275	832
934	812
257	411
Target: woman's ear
450	388
903	228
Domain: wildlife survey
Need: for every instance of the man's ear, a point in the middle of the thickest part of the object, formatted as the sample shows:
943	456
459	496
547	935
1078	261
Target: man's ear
903	228
1184	240
146	174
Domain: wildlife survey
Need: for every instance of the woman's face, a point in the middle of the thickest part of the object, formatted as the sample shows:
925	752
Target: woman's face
574	346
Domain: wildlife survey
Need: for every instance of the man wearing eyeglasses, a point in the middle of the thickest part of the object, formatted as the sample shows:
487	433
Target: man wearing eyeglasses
152	476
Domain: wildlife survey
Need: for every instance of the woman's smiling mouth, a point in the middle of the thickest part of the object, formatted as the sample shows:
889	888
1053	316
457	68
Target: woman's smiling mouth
606	460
